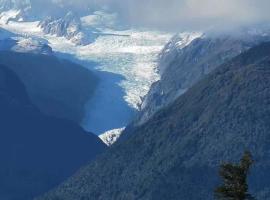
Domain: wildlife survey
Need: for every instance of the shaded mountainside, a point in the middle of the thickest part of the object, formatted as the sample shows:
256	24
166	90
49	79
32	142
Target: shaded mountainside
57	87
181	68
37	152
175	155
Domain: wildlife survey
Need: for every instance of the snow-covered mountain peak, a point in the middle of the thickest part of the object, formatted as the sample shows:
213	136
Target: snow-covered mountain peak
69	26
181	40
171	49
11	15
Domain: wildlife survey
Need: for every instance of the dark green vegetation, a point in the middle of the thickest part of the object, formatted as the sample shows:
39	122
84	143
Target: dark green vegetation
180	68
235	185
37	152
57	87
176	154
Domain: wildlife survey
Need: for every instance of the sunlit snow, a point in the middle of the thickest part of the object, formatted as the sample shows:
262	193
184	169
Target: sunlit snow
127	58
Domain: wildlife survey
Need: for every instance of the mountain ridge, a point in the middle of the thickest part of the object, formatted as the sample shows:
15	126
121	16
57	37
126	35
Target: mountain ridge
37	151
182	145
181	68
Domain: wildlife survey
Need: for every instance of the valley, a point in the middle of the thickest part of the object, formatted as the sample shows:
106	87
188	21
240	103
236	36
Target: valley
124	61
134	100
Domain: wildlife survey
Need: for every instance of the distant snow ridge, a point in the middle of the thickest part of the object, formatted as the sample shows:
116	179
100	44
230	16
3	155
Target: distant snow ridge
157	97
176	44
69	26
110	137
11	15
14	10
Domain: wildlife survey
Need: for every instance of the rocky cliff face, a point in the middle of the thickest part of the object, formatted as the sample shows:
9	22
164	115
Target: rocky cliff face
68	26
176	154
180	67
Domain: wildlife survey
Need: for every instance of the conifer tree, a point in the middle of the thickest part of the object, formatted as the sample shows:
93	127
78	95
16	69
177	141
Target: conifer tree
234	176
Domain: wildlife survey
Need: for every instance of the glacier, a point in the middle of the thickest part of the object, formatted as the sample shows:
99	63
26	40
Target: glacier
124	60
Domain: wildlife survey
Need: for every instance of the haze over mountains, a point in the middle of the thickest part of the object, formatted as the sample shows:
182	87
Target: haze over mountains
174	91
121	65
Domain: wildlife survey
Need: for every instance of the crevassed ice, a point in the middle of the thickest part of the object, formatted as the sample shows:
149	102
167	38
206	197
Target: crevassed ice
129	53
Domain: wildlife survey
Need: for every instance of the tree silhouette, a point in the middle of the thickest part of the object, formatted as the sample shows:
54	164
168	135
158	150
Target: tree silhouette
235	186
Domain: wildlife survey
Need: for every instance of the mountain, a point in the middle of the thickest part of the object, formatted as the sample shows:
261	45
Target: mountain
180	67
176	154
57	87
37	152
69	26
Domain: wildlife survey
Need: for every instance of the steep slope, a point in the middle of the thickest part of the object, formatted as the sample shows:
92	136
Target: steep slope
175	154
57	87
37	152
180	68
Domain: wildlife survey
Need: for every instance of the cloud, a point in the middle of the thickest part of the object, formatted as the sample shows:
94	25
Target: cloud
180	14
193	14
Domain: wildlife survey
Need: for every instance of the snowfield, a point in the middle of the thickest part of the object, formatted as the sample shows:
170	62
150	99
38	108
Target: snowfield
125	62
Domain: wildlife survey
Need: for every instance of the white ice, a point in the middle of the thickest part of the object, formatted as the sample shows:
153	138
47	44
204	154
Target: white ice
125	62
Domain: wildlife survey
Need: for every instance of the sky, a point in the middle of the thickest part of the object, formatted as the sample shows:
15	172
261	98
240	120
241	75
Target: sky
194	14
176	14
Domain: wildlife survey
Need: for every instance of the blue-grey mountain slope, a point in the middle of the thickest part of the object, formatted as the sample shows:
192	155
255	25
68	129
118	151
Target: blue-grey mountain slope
176	154
180	68
37	151
57	87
